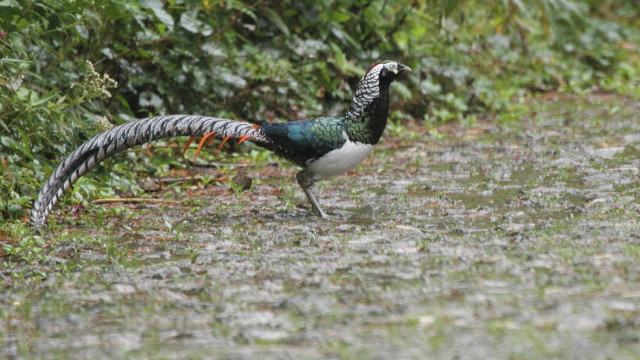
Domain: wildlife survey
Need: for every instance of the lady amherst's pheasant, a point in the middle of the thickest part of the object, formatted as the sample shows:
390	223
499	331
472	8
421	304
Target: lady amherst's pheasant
323	146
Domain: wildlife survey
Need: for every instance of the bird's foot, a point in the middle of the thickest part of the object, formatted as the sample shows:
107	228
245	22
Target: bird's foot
321	214
305	179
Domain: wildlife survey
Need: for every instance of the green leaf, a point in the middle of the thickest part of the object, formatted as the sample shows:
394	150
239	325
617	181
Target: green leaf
448	6
113	11
402	40
276	19
43	100
340	17
190	23
344	36
418	31
548	20
521	7
26	149
403	90
158	9
10	3
33	97
15	60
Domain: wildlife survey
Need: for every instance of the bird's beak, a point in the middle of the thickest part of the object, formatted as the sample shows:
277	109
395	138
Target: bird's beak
401	69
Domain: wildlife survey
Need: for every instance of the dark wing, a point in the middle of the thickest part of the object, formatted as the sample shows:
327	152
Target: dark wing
304	140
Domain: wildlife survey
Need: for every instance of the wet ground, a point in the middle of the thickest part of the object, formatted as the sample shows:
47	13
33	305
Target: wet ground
480	241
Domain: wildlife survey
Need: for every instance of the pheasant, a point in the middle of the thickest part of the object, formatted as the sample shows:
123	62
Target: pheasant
322	146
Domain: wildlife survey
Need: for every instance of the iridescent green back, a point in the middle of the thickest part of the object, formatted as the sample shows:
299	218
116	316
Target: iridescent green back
300	141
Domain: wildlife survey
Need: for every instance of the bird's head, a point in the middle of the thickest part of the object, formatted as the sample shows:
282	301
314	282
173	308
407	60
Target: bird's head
386	71
374	83
391	69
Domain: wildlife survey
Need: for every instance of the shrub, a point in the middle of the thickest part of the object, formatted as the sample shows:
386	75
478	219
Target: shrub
282	60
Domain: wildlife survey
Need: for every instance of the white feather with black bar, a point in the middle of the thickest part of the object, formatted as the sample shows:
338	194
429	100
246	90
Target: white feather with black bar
368	89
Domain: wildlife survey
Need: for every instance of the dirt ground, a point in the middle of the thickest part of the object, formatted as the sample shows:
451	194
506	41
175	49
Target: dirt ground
477	241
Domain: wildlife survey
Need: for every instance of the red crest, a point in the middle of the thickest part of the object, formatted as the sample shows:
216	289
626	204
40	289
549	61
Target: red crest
374	65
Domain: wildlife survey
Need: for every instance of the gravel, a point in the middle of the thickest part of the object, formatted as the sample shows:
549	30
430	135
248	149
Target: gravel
510	241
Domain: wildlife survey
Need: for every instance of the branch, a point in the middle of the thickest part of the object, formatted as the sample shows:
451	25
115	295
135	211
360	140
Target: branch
135	200
166	38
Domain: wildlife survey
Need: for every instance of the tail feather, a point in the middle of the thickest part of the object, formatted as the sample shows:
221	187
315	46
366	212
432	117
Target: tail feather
122	137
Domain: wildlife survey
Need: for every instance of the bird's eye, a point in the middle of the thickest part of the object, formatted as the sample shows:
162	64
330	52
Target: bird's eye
392	66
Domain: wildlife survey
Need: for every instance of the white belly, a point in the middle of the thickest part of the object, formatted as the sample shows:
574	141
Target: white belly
339	161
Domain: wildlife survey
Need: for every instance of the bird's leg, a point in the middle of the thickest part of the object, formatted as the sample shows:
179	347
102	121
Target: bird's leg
305	180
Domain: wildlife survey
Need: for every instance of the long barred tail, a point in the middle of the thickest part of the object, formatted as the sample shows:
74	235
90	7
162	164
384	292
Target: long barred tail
122	137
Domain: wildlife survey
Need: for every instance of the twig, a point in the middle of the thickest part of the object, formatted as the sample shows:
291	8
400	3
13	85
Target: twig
187	178
134	200
188	166
401	22
208	165
219	165
184	178
289	117
20	18
135	48
388	35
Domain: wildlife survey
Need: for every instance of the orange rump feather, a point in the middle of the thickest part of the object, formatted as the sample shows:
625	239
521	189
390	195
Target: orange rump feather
187	145
204	138
223	141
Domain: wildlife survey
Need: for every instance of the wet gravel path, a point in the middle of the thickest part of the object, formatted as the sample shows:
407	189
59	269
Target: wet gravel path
512	241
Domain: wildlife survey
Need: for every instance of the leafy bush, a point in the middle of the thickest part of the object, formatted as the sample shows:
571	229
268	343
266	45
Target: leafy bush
270	60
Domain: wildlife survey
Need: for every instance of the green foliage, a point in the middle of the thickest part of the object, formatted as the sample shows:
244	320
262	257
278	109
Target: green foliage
265	60
27	247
